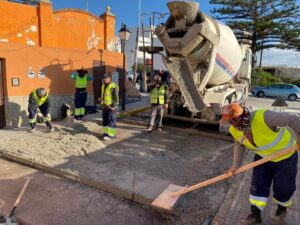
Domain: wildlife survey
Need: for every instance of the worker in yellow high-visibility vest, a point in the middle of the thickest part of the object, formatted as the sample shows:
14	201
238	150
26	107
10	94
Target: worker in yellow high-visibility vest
81	78
158	99
265	132
39	100
109	104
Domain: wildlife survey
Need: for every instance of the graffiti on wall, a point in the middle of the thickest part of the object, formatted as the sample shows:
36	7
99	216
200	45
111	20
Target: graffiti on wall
93	41
22	30
113	45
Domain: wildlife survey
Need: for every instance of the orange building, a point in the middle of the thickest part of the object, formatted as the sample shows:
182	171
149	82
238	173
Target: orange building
40	47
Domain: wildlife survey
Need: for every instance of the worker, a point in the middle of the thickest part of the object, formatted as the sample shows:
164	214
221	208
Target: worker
265	132
158	98
39	100
109	104
81	78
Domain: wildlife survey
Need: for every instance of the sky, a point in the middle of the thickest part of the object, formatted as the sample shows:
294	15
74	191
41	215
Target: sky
127	11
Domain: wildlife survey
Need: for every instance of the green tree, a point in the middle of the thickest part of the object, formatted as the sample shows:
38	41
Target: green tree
262	78
296	82
272	23
140	68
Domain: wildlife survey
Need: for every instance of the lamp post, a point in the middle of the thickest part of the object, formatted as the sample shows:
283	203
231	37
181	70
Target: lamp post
151	20
124	36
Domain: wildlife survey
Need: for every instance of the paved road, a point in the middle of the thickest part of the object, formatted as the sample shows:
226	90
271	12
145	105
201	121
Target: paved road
266	103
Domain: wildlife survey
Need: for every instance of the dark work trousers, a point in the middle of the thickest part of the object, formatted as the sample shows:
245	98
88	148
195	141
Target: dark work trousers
32	115
109	120
42	108
282	174
80	101
156	114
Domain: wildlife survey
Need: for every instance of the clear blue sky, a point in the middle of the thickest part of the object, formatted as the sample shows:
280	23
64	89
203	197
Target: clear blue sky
125	10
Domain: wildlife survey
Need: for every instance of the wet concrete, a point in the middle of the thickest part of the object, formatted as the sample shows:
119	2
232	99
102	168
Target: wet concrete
51	200
136	165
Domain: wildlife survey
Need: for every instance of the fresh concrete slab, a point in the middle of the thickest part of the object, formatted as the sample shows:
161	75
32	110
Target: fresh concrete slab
51	200
136	165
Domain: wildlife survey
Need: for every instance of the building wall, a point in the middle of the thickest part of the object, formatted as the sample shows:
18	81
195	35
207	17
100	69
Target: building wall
67	28
41	48
20	24
284	72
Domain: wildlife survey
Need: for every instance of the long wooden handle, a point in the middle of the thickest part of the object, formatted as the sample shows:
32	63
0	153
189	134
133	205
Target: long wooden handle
19	197
240	170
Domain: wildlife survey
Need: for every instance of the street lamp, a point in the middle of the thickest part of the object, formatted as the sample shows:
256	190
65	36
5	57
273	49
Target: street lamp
124	36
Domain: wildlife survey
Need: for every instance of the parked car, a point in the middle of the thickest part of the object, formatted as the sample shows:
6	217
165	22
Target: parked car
290	91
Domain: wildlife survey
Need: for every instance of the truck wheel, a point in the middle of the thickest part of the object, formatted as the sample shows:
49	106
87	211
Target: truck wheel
260	94
293	97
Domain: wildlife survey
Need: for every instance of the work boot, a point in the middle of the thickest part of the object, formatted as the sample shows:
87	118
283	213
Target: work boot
281	211
254	218
51	129
32	126
106	138
76	119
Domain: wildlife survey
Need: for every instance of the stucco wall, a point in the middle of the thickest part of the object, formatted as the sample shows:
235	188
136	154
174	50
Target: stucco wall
67	28
19	23
293	73
78	29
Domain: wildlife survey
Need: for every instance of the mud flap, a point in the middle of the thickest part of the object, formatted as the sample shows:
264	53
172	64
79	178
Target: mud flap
184	77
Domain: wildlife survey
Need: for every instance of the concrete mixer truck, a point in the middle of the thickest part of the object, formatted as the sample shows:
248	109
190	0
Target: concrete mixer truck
209	67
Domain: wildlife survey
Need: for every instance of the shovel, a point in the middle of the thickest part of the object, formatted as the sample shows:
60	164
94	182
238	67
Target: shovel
9	219
168	198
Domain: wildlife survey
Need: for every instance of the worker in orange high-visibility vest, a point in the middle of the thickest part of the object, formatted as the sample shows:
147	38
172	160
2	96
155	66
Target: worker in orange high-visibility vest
81	78
265	132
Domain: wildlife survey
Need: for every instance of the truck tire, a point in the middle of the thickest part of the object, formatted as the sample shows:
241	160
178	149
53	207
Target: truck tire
293	97
260	94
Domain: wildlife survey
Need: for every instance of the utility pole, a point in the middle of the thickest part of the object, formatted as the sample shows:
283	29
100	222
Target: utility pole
144	64
87	5
137	44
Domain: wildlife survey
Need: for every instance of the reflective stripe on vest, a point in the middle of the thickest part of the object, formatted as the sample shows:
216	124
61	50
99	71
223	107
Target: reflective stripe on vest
106	96
267	141
81	82
158	95
39	101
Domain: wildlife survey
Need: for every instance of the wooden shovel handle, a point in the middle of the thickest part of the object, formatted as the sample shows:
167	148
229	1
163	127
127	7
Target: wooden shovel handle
22	191
239	170
19	197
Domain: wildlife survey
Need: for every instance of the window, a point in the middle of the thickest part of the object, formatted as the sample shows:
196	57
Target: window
277	86
286	86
